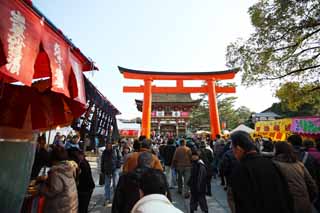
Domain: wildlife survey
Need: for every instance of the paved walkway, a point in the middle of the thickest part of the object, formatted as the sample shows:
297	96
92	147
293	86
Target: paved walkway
217	203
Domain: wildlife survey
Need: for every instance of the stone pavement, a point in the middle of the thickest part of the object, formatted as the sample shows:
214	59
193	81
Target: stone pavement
217	203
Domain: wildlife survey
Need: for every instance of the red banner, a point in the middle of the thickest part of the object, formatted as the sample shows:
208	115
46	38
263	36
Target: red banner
58	52
24	59
20	32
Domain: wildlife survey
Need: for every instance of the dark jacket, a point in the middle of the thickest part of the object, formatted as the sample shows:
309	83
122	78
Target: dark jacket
301	185
127	191
41	159
168	153
258	186
110	161
197	181
229	163
207	157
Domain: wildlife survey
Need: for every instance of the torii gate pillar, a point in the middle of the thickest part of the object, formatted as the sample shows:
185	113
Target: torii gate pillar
146	109
213	108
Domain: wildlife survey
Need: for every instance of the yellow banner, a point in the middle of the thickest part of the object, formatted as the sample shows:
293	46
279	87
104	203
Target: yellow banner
276	129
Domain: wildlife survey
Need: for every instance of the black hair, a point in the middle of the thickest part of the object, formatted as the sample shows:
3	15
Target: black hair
242	139
267	146
136	145
146	144
153	181
58	153
183	142
286	150
142	137
295	140
218	136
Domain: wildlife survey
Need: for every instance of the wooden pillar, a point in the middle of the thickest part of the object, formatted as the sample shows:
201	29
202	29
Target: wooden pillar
146	109
213	109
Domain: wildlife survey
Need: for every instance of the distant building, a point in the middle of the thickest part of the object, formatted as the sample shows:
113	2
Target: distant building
264	116
170	113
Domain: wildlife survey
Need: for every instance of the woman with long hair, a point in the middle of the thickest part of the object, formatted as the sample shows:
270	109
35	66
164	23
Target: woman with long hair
301	185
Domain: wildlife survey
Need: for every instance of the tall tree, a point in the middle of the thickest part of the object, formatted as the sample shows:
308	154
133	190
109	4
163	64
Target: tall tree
232	117
284	46
296	97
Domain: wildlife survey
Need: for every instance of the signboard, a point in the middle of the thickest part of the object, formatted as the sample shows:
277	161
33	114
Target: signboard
159	113
306	125
175	113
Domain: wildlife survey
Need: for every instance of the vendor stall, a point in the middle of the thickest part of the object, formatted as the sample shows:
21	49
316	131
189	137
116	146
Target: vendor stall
279	130
41	86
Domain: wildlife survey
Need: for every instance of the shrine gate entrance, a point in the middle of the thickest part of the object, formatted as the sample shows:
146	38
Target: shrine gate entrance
210	88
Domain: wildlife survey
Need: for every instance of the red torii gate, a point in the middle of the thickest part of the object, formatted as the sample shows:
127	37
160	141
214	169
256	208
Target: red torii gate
147	89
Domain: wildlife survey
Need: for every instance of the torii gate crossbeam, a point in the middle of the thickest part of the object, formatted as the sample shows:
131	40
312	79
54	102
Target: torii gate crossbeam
210	88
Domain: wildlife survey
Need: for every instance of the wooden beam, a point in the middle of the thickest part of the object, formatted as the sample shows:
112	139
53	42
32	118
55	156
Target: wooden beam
226	89
155	89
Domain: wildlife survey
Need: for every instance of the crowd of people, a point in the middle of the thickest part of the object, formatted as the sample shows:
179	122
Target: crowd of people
68	185
257	175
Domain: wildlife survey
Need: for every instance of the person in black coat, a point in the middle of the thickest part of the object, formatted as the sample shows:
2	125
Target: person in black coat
168	152
127	191
197	183
41	159
85	181
207	157
257	184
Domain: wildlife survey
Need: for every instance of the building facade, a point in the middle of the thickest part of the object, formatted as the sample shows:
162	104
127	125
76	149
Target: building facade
170	113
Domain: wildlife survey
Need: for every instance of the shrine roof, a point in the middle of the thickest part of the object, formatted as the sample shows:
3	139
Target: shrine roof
171	98
122	70
160	75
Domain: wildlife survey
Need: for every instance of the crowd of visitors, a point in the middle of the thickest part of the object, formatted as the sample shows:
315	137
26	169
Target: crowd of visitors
257	175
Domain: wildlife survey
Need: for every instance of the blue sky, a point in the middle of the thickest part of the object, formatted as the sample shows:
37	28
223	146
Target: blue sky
160	35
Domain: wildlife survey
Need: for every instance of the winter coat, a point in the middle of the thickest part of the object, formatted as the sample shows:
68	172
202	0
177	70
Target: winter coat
110	161
198	178
60	189
182	157
207	157
258	186
168	152
301	185
132	161
86	182
155	203
218	150
127	191
229	163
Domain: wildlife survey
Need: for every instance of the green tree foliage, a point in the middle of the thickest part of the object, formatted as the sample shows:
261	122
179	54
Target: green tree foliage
295	97
233	117
284	46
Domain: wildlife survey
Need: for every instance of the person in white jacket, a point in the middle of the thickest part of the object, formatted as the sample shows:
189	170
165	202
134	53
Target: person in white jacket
153	194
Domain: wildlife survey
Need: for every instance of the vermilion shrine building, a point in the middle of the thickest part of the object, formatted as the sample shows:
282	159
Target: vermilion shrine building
170	113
